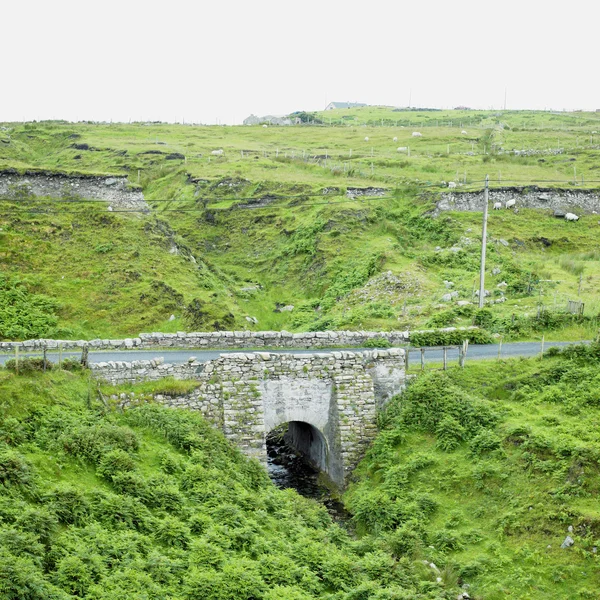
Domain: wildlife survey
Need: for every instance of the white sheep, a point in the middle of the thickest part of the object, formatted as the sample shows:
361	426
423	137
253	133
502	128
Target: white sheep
571	217
417	134
510	203
366	139
395	139
497	205
265	126
451	184
217	152
402	149
464	132
110	208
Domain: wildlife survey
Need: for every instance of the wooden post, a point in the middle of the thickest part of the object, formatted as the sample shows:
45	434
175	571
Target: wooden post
17	360
45	359
445	358
408	352
139	171
422	359
59	357
500	347
542	351
84	356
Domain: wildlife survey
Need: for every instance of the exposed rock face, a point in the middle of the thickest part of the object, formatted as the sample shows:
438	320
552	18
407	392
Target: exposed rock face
561	200
113	190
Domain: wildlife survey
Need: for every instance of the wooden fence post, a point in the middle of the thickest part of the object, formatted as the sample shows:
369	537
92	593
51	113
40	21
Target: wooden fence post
422	359
445	358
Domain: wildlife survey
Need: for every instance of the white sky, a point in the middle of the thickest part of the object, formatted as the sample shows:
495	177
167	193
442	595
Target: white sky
210	60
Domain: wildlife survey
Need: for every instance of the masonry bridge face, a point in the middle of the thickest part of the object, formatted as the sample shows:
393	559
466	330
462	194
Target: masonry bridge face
330	399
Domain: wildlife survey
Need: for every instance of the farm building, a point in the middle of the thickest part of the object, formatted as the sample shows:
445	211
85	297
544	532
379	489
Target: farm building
334	105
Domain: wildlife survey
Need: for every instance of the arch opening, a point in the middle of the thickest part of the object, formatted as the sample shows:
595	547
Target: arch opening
297	453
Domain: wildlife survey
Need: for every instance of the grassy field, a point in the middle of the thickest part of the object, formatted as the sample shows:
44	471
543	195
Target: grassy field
269	224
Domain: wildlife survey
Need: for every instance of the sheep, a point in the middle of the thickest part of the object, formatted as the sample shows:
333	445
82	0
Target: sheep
497	205
417	134
510	203
571	217
265	126
217	152
451	184
366	139
110	208
402	149
395	139
463	132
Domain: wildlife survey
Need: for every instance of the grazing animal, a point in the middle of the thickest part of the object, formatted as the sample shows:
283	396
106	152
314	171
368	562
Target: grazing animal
217	152
402	149
571	217
110	208
497	205
417	134
510	203
366	139
464	132
451	184
395	139
265	126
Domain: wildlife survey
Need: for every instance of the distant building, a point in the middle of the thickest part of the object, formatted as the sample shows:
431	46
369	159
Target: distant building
334	105
270	119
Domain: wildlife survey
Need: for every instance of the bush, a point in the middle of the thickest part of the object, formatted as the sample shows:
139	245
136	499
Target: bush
69	504
450	338
449	433
27	365
485	441
377	342
94	441
115	462
15	470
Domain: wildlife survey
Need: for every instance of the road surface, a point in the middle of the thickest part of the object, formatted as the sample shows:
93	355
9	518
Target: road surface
476	351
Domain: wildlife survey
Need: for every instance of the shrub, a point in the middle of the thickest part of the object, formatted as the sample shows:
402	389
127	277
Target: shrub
450	338
15	470
485	441
91	442
115	462
449	433
377	342
27	365
69	504
172	532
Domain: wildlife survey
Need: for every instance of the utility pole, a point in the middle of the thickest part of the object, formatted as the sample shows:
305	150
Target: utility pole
483	243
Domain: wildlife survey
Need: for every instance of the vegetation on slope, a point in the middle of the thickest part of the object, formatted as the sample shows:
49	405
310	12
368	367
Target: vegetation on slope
155	503
485	472
269	225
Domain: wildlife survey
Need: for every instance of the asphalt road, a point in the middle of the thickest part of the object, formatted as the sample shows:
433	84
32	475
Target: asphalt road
475	351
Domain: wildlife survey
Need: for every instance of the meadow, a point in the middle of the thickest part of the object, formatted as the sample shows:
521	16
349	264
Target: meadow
269	223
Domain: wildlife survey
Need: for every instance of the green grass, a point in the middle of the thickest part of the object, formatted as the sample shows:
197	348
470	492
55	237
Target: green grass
118	277
154	502
483	470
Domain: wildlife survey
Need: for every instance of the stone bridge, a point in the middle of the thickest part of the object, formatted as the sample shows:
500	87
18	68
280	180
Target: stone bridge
330	400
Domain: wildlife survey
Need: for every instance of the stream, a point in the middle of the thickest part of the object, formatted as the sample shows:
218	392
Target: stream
289	469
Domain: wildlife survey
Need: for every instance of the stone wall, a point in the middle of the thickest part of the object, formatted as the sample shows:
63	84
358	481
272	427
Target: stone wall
224	340
573	200
113	190
249	394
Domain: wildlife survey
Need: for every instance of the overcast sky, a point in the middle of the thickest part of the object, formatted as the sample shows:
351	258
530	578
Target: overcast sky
220	60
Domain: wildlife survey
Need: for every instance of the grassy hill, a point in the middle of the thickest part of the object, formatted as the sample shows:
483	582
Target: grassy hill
269	223
476	478
154	503
486	471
